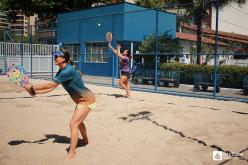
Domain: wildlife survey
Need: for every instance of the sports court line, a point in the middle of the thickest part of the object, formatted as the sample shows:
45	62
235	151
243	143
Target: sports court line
215	109
144	115
242	113
29	97
193	106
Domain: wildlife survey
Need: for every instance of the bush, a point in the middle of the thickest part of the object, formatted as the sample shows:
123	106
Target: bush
232	75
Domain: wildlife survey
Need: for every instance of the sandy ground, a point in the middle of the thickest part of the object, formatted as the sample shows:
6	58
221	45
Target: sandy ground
147	129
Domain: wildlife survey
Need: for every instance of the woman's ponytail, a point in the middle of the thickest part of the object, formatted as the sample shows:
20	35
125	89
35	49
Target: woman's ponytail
68	59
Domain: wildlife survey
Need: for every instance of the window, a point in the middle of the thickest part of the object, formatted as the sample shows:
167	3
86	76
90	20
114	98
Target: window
97	52
74	50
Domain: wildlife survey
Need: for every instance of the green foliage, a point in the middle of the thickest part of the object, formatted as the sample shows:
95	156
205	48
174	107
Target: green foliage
166	44
197	8
12	37
232	76
168	47
150	3
3	5
47	8
1	35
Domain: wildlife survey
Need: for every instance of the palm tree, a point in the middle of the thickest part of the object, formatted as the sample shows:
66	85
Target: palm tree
198	9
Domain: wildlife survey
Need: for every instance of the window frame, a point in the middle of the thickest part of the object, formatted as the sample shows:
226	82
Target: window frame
98	54
73	53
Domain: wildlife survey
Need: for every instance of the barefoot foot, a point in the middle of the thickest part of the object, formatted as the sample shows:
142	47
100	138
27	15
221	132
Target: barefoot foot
70	156
85	141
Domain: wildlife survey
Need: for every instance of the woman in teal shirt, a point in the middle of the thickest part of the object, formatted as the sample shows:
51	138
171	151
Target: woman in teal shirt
71	80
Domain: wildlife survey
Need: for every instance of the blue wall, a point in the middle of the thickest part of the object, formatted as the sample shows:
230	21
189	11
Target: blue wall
142	23
82	27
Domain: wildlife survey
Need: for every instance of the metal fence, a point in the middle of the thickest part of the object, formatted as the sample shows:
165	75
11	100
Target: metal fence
36	58
160	63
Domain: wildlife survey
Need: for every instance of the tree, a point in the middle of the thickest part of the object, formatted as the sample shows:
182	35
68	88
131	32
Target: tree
10	36
46	8
1	35
155	3
197	8
166	44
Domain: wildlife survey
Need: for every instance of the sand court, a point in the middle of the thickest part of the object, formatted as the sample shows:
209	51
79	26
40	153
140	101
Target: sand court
148	128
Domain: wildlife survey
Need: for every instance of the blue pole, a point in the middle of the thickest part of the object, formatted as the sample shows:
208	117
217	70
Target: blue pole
216	46
113	56
21	48
31	51
113	70
52	49
156	54
79	40
5	52
117	71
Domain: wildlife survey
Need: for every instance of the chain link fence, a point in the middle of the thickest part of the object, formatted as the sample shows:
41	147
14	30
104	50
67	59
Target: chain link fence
173	57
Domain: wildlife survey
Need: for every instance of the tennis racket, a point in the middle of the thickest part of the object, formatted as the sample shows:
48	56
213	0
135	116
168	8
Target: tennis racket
109	37
17	74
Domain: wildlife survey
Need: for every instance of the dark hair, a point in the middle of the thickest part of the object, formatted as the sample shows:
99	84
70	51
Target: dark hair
128	53
68	59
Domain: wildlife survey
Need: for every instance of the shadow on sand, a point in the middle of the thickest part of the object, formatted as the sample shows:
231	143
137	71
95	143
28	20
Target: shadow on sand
56	139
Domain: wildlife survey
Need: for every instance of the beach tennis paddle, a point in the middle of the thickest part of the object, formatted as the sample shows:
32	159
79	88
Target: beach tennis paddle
17	75
109	37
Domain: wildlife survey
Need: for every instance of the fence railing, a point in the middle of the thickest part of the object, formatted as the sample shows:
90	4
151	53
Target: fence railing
36	58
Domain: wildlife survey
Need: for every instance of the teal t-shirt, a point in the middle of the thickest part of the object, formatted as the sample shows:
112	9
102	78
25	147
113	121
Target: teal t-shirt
71	80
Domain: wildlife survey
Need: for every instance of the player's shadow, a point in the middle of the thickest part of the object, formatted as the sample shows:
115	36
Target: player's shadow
116	95
56	139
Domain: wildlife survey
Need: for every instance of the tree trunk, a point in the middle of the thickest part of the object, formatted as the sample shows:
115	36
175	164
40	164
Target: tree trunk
199	33
198	19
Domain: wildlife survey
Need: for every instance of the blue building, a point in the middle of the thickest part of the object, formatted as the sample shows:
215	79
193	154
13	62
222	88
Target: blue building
83	32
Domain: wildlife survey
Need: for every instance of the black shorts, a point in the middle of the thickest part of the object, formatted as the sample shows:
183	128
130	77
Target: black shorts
125	74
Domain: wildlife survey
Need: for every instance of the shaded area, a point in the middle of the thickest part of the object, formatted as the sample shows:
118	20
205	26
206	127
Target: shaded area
145	115
56	139
118	96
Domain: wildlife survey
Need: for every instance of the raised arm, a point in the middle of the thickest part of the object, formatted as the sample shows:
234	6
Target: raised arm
117	52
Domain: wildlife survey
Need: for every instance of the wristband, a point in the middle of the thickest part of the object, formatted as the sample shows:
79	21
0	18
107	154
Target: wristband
32	91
